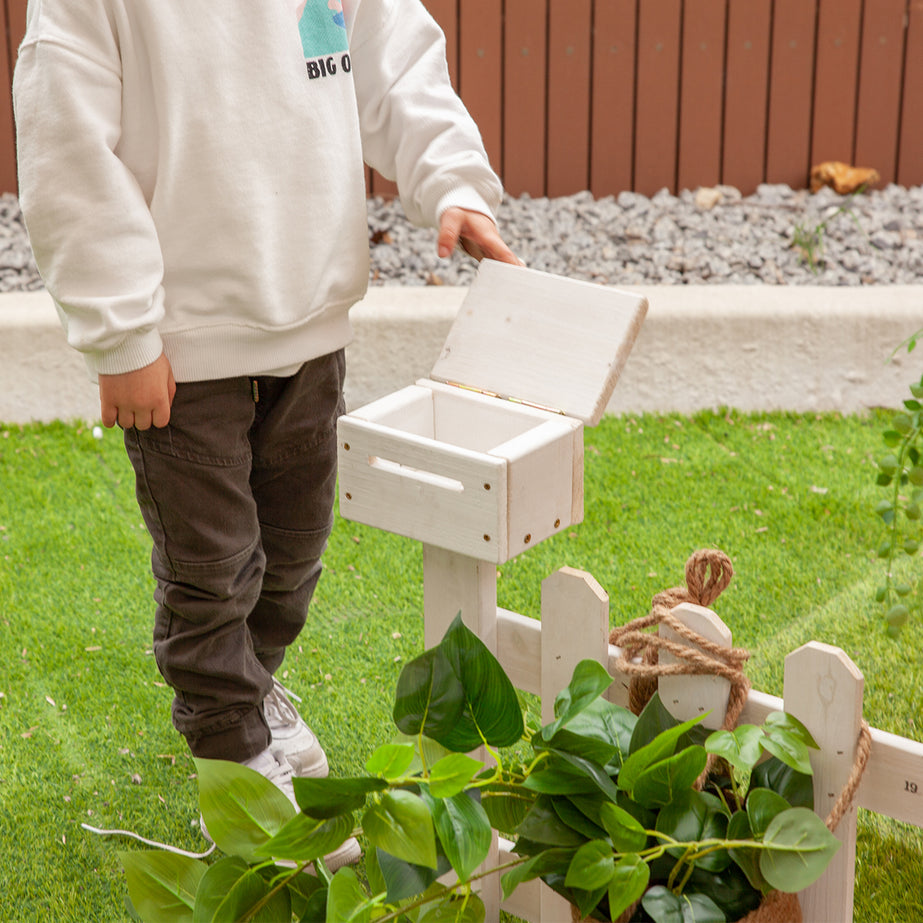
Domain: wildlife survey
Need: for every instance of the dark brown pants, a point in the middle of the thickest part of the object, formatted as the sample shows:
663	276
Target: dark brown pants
237	493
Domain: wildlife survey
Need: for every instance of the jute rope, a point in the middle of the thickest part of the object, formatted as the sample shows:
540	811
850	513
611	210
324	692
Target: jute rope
708	574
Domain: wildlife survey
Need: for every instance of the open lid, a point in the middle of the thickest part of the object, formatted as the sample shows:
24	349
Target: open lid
541	339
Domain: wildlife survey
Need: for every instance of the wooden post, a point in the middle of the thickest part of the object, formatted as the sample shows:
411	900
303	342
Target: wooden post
823	689
454	583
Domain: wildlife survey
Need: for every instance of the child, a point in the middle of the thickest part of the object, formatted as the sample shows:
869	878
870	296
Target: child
191	175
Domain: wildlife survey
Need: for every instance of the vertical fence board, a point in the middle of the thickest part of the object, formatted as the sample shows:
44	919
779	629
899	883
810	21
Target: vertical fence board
480	70
835	79
701	93
525	72
445	12
791	78
7	132
881	68
657	97
612	140
569	23
747	85
910	156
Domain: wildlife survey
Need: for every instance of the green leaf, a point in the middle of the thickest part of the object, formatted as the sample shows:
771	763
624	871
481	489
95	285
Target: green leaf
662	905
693	816
627	834
456	692
591	867
700	908
661	747
889	463
241	808
162	886
391	761
762	806
747	859
322	798
659	784
740	747
801	848
911	546
542	825
608	722
780	720
629	881
464	832
590	679
571	815
305	838
797	788
590	748
400	879
891	437
589	770
558	777
542	863
898	616
234	890
347	902
465	909
916	475
790	749
401	824
215	887
506	806
452	773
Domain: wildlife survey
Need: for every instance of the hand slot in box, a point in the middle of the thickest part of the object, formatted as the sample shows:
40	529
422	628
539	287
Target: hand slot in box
416	474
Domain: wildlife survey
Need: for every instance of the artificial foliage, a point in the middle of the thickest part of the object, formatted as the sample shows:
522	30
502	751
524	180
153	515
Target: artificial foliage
610	809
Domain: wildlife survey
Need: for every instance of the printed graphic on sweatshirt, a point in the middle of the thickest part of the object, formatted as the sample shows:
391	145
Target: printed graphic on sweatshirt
323	38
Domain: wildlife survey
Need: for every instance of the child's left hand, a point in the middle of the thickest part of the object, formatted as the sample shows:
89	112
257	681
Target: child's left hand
477	234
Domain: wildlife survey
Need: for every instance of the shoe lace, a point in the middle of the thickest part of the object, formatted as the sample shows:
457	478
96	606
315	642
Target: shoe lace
278	709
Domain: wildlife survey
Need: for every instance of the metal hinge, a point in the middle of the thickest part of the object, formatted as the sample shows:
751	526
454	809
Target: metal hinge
501	397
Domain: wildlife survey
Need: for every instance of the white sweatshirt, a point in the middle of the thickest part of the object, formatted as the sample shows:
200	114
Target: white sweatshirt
191	172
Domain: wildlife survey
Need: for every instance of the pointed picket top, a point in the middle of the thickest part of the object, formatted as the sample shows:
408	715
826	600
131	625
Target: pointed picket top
823	689
688	697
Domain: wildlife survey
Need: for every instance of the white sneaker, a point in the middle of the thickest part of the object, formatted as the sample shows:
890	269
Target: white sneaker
292	736
273	765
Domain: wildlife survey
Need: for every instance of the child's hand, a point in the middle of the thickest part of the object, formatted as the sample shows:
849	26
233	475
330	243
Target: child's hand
476	233
140	398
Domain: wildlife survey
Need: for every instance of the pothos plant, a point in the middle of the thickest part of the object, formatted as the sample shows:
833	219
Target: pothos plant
900	473
601	805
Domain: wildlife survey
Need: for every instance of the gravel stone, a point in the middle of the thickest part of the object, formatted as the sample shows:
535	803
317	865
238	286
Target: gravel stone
712	236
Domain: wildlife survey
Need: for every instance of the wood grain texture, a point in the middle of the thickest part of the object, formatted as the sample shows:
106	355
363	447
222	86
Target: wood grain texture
532	336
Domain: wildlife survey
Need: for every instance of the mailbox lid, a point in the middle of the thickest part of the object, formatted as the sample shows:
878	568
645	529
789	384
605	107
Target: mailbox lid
541	339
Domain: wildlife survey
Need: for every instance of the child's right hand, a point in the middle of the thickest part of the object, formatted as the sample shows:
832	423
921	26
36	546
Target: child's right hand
141	398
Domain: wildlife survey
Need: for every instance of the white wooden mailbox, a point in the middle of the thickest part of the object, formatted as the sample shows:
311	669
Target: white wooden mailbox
486	457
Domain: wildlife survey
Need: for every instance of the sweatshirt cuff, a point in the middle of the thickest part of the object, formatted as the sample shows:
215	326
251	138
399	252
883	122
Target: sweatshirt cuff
135	352
464	197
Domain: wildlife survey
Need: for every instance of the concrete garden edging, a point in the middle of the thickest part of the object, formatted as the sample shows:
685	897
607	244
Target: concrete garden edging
799	348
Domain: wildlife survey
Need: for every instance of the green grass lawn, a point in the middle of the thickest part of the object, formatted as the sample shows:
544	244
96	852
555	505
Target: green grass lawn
85	733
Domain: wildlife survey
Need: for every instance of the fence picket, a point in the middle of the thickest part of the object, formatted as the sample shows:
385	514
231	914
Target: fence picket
613	110
701	94
747	82
836	75
657	95
910	156
788	132
878	106
823	689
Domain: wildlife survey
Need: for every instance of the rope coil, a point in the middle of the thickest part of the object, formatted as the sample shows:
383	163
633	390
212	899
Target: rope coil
708	574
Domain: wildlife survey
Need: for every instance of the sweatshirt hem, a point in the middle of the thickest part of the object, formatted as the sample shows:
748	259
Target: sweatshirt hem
226	351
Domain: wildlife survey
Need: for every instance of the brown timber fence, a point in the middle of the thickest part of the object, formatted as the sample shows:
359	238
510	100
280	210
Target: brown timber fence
609	95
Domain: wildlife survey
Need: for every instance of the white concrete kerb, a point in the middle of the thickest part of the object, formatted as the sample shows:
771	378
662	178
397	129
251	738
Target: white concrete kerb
807	348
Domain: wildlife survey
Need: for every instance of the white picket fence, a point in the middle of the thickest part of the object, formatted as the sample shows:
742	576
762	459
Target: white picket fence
822	688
